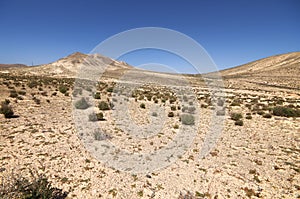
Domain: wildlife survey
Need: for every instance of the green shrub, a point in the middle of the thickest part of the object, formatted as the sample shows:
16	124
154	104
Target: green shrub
6	110
286	112
239	122
63	89
100	116
236	116
103	106
97	95
82	104
142	105
187	119
267	115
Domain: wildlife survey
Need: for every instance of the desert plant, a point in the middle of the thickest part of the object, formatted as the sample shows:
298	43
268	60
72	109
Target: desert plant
220	112
248	117
6	109
171	114
97	95
63	89
81	104
236	116
110	89
142	105
100	136
103	106
286	111
38	187
239	122
267	115
187	119
13	94
154	114
100	116
173	108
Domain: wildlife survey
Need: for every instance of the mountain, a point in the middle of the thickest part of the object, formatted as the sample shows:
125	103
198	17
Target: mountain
278	65
12	65
69	66
275	72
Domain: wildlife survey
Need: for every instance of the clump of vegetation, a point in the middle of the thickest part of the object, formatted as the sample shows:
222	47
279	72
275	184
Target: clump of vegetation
36	188
236	116
63	89
171	114
239	122
154	114
96	117
267	115
187	119
97	95
286	111
220	113
6	109
13	94
82	104
173	108
248	117
220	102
100	136
142	105
103	106
110	89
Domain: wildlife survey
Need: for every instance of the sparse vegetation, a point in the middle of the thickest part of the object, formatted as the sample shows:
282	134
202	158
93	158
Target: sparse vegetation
239	122
236	116
171	114
82	104
36	188
187	119
6	109
286	111
142	105
103	106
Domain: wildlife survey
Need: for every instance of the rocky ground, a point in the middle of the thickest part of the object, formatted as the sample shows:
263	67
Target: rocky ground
256	155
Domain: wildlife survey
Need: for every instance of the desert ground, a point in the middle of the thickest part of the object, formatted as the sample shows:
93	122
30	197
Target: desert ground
55	113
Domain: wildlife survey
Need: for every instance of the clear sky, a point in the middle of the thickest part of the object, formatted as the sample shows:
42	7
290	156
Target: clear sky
232	32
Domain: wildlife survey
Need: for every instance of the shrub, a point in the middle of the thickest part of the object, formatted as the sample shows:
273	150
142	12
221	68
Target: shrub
220	102
6	110
173	108
248	117
191	109
100	116
36	188
267	115
239	122
286	112
97	95
236	116
260	112
187	119
103	106
22	92
100	136
142	105
13	94
82	104
110	89
63	89
170	114
154	114
220	112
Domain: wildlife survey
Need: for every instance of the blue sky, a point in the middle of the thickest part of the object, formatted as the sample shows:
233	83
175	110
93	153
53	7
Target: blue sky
232	32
